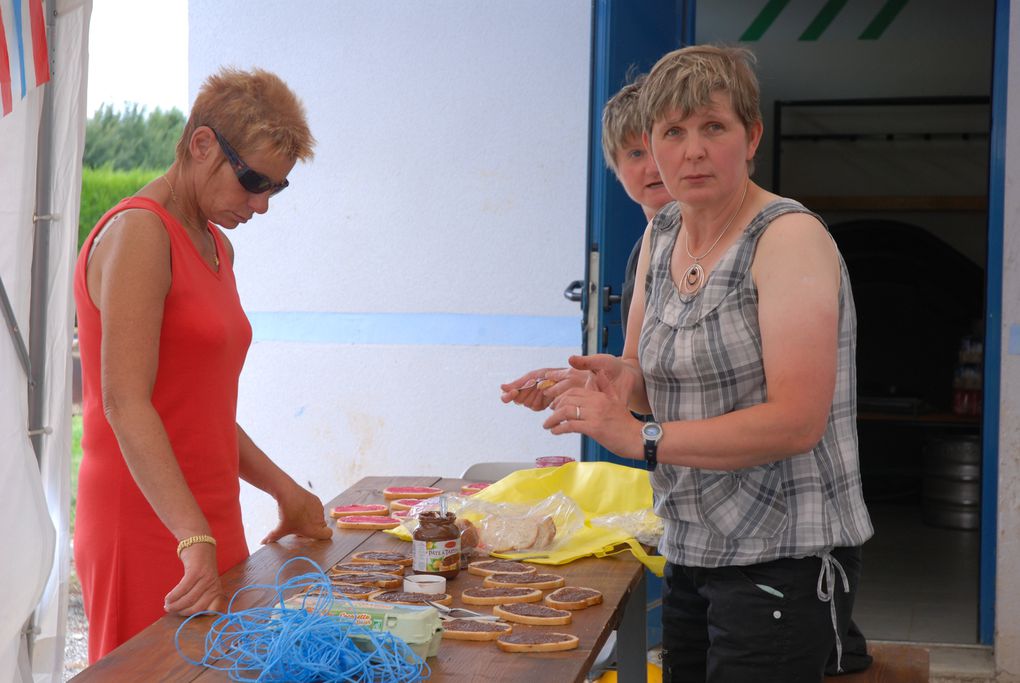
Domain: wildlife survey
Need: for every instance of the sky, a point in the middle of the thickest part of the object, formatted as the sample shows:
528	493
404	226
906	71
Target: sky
138	53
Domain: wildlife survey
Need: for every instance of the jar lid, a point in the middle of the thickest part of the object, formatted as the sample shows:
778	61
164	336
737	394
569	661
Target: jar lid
425	583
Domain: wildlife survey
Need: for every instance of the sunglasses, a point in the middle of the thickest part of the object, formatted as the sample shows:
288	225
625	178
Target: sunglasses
250	179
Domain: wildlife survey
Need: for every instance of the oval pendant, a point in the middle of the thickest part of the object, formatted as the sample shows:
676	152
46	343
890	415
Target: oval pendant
693	278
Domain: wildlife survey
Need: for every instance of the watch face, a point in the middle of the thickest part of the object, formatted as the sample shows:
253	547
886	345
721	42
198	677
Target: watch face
651	431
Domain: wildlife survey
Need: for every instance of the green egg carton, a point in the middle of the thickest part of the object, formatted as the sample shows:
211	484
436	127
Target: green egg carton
419	627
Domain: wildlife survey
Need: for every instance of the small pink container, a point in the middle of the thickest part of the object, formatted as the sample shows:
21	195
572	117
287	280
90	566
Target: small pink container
553	460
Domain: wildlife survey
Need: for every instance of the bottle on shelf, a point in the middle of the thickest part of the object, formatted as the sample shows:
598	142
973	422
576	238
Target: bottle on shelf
967	377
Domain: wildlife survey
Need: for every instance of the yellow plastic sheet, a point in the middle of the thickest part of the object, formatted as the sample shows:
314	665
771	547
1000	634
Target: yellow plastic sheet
599	488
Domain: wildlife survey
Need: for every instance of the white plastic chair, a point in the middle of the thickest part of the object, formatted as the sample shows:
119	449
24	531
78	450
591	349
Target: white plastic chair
494	471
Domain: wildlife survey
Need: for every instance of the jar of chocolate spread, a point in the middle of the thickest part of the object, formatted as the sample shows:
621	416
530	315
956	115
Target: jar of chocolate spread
435	545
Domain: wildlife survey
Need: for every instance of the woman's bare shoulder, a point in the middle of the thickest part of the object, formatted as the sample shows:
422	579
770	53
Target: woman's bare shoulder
796	227
134	239
137	227
795	244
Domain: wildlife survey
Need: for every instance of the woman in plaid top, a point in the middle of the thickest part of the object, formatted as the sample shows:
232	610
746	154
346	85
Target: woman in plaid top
744	358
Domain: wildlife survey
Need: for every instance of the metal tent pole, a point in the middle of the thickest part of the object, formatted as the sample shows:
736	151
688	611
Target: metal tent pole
37	327
15	330
42	218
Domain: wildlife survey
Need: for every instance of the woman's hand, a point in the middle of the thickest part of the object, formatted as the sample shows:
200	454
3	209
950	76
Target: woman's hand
599	412
200	588
301	513
538	388
616	372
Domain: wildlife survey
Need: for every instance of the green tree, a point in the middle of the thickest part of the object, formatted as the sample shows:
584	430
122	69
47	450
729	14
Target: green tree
131	139
124	150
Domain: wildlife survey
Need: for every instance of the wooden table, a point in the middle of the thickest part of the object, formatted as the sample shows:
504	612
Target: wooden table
151	655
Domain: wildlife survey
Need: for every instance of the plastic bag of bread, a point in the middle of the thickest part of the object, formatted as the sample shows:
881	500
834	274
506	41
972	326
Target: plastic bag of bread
505	534
516	527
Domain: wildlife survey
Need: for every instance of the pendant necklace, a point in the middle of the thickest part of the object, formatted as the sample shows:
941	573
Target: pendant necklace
173	198
694	277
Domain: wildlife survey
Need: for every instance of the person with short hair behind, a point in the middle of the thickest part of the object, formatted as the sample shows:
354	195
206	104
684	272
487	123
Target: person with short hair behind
163	339
744	358
633	166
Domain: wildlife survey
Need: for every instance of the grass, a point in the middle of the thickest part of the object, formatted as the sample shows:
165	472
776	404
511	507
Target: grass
75	463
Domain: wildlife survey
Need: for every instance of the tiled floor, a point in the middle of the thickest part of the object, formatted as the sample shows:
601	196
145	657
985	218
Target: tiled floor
919	583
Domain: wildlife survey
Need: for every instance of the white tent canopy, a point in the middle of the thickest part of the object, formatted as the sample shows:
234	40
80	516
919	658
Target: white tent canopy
42	139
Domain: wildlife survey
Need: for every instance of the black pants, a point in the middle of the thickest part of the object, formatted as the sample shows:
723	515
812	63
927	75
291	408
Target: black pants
761	623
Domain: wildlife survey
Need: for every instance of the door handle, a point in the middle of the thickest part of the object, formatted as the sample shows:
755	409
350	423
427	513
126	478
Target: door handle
574	291
608	298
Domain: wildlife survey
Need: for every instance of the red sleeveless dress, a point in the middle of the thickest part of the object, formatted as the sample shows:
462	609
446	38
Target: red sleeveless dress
126	559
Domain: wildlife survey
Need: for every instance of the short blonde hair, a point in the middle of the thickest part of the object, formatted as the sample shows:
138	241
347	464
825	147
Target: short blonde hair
251	110
621	121
684	81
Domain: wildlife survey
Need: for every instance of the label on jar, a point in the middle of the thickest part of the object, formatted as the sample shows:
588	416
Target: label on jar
435	556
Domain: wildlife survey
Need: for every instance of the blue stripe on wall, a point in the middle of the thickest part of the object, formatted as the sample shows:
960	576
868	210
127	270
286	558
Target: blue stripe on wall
416	329
1014	340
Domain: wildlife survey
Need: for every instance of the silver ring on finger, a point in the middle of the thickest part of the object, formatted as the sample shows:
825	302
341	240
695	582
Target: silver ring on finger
578	412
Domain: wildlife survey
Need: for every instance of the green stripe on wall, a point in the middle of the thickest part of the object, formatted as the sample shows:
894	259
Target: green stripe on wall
822	20
882	20
764	20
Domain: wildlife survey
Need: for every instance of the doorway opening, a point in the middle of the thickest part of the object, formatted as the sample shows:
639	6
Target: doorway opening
902	184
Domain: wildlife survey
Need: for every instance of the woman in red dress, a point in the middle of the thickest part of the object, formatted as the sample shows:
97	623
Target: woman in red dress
163	339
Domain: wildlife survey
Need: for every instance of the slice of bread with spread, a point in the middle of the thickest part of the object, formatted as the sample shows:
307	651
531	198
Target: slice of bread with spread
499	596
536	580
487	567
473	629
340	592
533	640
375	579
367	522
529	613
411	598
368	568
573	598
380	556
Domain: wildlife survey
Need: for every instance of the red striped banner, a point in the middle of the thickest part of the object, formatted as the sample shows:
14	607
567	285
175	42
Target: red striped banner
5	70
24	50
40	50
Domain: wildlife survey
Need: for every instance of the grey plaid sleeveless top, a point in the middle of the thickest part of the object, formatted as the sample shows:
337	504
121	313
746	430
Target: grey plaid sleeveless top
701	356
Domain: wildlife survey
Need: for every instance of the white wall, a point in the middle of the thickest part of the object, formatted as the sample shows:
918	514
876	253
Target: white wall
419	260
1007	601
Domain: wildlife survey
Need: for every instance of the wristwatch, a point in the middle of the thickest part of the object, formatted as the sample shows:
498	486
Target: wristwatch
652	432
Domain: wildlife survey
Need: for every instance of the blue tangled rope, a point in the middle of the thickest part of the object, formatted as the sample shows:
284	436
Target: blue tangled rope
302	645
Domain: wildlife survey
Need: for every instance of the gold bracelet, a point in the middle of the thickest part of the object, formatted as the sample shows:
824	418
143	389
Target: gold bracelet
192	540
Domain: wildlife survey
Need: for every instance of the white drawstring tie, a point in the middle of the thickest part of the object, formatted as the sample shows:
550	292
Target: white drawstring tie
827	594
